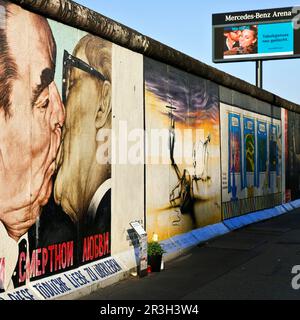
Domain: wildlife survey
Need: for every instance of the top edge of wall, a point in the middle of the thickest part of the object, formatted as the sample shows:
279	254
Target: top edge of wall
78	16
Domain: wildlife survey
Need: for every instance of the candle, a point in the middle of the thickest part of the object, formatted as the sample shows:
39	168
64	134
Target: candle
155	237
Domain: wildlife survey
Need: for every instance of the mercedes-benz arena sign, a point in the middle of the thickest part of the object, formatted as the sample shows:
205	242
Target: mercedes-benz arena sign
256	35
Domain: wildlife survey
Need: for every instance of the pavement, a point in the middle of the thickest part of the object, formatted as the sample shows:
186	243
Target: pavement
247	264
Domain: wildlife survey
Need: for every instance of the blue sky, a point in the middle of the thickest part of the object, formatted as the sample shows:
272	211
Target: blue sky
186	26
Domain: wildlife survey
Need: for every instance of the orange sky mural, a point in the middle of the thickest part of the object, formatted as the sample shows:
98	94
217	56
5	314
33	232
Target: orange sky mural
183	193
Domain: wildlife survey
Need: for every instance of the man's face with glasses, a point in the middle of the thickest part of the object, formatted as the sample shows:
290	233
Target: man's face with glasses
87	95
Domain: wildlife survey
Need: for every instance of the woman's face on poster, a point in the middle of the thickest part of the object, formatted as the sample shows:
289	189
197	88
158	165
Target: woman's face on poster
247	38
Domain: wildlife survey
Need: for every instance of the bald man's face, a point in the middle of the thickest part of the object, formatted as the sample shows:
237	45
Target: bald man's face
30	137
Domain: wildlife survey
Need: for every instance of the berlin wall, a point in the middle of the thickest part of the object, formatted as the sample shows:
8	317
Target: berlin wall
101	126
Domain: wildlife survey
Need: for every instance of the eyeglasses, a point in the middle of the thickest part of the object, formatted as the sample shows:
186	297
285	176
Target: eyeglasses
70	61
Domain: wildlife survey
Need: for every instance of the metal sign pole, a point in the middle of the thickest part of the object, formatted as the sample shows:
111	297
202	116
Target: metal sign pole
143	246
259	74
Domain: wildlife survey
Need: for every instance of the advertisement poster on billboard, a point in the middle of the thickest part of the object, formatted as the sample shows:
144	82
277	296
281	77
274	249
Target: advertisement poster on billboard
255	35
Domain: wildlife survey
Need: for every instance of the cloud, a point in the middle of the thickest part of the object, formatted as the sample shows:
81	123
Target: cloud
193	97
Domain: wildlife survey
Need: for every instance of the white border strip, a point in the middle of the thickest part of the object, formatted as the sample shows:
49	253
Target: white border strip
258	55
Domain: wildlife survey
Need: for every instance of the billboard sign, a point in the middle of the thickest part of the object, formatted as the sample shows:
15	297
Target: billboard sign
256	35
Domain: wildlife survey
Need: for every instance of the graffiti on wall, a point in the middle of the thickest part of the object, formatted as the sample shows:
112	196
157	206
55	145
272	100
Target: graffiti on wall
293	156
251	161
183	172
55	194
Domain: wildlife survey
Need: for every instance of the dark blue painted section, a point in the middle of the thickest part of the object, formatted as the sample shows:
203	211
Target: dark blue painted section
204	234
288	206
190	239
295	204
210	232
186	240
169	246
242	221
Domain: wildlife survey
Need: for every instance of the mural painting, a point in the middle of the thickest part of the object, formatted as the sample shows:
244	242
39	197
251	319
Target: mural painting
183	167
250	182
293	156
55	189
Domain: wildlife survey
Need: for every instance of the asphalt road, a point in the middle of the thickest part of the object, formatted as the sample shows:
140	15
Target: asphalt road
251	263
